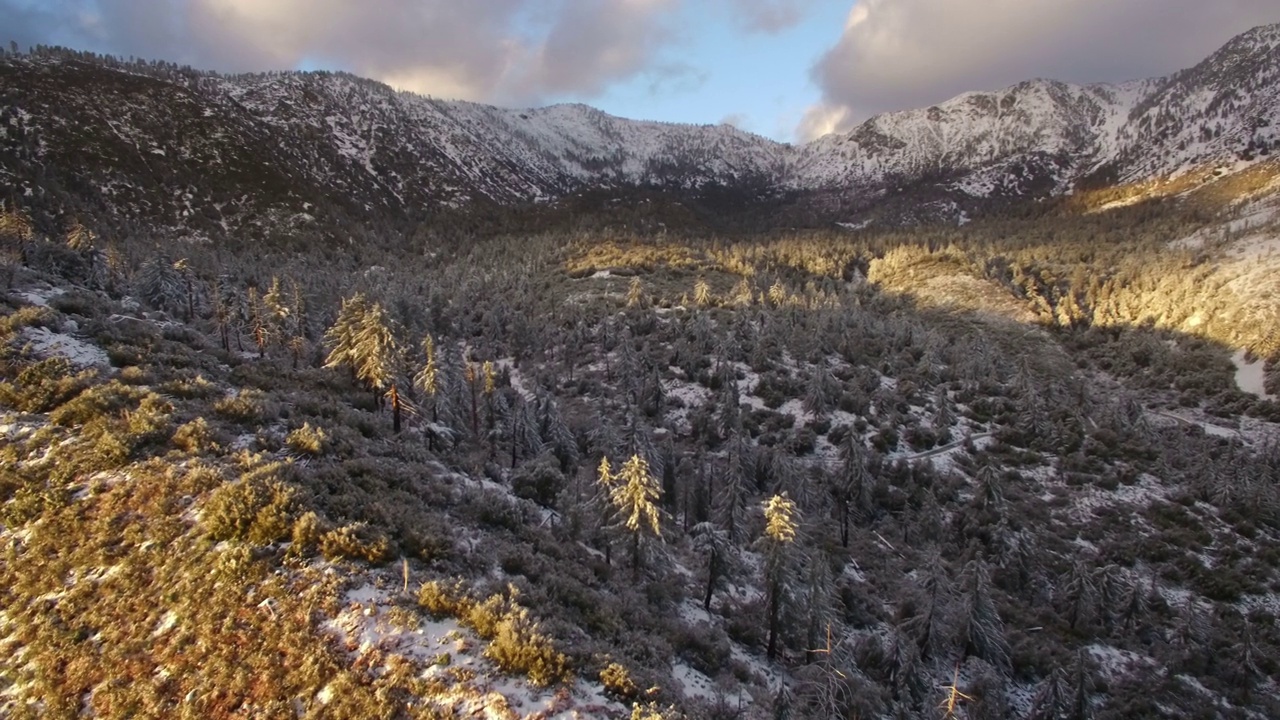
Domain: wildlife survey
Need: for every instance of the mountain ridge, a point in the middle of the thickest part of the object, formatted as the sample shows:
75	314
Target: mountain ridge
333	139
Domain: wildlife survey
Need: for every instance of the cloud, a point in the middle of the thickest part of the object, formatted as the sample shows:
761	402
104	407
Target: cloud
504	51
900	54
769	16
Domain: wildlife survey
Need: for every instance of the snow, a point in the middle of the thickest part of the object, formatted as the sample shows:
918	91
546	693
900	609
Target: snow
39	296
1250	375
518	382
366	629
47	343
692	682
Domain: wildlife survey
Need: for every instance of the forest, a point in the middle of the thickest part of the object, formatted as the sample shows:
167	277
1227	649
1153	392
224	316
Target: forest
631	468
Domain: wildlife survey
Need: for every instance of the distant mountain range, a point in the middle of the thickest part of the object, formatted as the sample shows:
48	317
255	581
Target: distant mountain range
153	143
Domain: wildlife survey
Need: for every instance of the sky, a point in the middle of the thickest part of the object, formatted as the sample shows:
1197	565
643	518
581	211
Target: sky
788	69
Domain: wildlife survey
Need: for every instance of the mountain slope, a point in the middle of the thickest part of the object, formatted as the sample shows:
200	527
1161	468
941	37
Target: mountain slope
209	154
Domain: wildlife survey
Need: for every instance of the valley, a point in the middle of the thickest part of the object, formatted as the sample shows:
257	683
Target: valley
321	400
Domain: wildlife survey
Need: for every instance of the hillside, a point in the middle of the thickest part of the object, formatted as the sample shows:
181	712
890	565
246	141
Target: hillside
201	153
323	400
1023	459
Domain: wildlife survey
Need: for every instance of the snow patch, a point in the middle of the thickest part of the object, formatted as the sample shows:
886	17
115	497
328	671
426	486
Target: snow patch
1250	375
47	343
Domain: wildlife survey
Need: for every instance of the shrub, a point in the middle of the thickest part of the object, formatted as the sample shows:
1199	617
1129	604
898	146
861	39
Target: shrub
519	647
245	406
307	440
195	437
256	508
196	388
43	386
76	302
150	421
516	645
617	681
442	600
102	401
357	541
306	532
32	316
540	481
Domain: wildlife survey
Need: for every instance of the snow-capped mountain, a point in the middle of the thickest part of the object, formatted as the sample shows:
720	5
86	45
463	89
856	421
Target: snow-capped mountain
1043	137
204	151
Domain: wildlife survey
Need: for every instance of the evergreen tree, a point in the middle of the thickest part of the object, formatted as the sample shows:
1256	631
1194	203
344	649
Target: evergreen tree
341	337
781	526
634	496
556	434
362	338
522	431
1080	707
733	493
1079	596
427	380
713	543
818	611
852	488
606	483
821	392
983	631
1051	698
160	285
701	293
931	622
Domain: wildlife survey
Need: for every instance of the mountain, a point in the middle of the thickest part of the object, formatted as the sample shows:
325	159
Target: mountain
1044	137
204	153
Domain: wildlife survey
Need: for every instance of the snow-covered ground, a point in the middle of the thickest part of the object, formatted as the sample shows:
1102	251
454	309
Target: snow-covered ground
47	343
373	625
1250	376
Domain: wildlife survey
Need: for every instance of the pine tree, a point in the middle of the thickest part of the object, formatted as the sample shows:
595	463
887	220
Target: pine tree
852	485
733	492
983	631
160	285
341	337
297	323
714	544
556	434
635	294
522	430
224	309
818	611
606	483
275	312
782	703
821	392
777	294
1050	700
1080	707
990	491
929	626
701	293
781	526
633	496
427	380
902	661
1079	596
362	338
258	325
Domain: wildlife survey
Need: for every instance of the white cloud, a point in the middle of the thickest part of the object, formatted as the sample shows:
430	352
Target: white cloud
899	54
503	51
